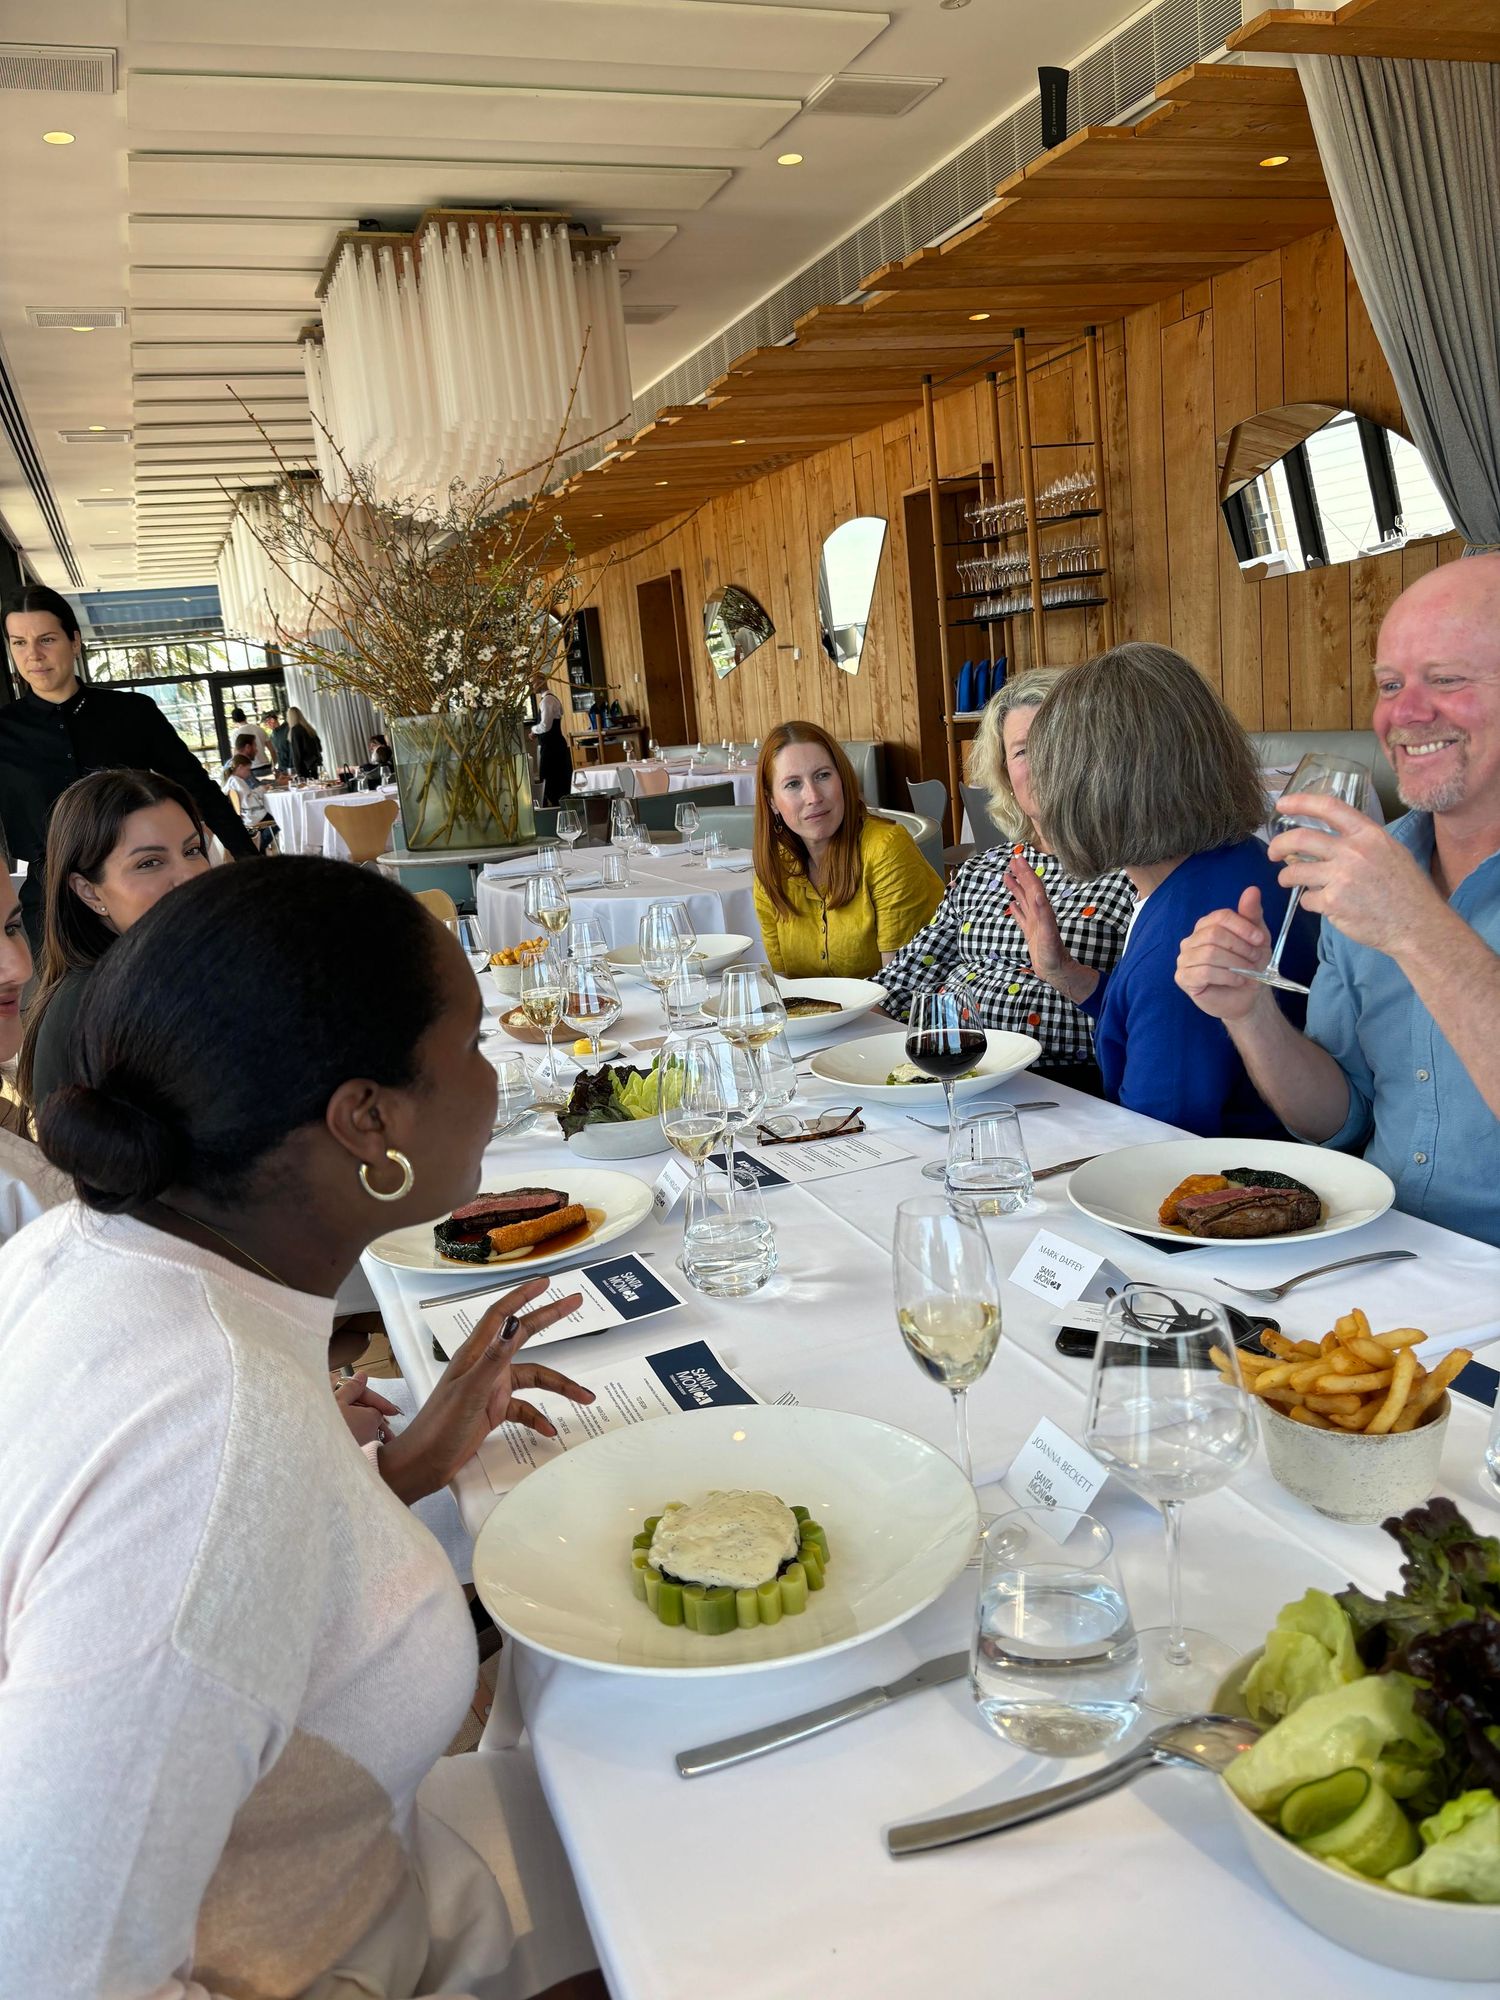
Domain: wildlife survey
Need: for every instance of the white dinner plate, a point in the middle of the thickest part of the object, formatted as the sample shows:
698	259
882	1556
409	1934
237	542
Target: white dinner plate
713	951
864	1066
852	998
1127	1188
624	1200
552	1562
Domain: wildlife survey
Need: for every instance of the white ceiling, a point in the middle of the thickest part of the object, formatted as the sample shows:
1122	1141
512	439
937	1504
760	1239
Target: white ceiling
205	194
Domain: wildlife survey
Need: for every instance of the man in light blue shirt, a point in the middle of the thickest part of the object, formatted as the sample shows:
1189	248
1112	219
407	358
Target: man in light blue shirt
1402	1051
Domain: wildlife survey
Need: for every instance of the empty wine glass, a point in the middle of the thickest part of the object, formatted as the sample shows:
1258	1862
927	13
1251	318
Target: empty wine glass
570	826
623	827
1329	777
1168	1410
547	903
947	1300
661	947
591	1000
685	819
586	938
471	938
943	1040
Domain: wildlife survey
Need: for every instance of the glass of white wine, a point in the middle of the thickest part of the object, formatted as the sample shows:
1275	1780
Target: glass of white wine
1328	777
547	904
542	1004
751	1010
947	1299
591	999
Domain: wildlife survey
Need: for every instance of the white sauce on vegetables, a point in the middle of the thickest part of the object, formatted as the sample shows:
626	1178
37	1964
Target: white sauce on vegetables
737	1539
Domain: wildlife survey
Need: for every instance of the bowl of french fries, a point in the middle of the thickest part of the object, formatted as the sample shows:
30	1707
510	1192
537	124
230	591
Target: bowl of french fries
1353	1423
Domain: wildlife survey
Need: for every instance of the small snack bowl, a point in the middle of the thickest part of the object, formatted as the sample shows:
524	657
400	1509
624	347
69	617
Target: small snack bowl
1351	1477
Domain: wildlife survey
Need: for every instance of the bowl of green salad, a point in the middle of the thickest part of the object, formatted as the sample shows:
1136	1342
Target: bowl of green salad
612	1113
1371	1803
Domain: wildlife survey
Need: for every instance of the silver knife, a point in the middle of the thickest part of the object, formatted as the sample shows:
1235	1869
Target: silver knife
756	1742
1063	1167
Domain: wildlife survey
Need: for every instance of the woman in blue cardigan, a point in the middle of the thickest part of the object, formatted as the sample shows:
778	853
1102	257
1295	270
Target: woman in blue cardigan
1137	764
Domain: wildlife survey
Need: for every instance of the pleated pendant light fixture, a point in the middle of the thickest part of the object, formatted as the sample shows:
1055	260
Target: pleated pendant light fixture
452	350
265	598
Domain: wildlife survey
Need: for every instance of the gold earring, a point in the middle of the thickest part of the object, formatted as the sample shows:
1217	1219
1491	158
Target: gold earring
408	1178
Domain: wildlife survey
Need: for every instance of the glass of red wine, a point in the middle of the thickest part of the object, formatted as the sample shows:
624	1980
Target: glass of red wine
943	1039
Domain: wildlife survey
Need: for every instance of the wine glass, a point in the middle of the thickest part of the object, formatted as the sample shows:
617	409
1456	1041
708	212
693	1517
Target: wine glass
591	1000
541	1003
471	938
947	1300
1329	777
692	1101
685	819
1168	1410
570	826
586	938
751	1009
547	903
660	946
943	1039
623	827
548	857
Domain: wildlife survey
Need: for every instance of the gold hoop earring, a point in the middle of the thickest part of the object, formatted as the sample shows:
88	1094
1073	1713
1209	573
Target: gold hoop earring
408	1178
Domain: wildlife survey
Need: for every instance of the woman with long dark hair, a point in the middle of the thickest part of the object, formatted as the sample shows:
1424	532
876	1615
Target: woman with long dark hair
234	1653
117	842
838	890
304	744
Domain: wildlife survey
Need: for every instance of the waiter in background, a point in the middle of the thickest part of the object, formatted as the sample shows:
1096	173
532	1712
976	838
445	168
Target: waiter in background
60	730
554	758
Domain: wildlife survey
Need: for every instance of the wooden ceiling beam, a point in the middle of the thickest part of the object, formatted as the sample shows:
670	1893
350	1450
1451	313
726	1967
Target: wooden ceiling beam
1437	30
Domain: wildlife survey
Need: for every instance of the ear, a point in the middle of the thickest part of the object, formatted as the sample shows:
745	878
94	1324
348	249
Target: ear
365	1118
88	895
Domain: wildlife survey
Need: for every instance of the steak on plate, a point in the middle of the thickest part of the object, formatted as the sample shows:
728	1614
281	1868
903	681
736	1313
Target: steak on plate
464	1236
1236	1214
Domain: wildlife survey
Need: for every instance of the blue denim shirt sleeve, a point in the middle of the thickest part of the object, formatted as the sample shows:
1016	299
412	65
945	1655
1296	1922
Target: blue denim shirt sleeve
1333	1023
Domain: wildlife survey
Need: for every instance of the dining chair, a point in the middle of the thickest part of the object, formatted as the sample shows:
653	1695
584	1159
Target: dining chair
628	781
735	825
985	832
659	815
364	830
924	831
929	796
651	784
440	903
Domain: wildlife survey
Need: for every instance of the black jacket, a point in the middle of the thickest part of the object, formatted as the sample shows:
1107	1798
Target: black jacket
45	746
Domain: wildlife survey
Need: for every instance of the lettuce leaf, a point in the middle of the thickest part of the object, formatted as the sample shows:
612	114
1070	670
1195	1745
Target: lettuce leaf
1308	1651
608	1095
1461	1853
1372	1723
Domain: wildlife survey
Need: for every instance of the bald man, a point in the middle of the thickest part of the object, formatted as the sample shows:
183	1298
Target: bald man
1401	1057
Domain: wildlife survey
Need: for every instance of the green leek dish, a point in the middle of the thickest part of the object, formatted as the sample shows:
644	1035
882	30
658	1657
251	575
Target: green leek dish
713	1609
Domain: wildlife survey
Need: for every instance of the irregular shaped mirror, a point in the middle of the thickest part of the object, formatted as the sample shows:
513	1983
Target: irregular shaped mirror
1310	485
734	625
846	584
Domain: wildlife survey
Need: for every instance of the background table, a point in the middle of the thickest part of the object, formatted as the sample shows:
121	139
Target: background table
1146	1894
718	899
302	818
606	778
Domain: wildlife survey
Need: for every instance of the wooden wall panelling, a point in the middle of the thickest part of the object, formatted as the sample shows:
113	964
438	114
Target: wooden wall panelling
1150	598
1187	368
1235	401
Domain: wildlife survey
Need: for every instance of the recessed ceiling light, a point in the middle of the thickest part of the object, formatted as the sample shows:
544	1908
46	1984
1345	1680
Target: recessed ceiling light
57	138
98	427
739	440
81	329
978	315
952	6
598	517
788	159
1276	160
106	489
663	482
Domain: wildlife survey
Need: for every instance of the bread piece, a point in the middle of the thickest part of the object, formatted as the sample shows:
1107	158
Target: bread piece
519	1235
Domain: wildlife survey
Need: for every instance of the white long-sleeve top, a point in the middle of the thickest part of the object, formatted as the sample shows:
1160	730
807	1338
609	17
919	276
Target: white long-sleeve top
228	1654
548	710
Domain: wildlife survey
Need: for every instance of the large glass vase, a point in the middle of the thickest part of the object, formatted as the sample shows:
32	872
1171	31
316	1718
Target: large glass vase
464	779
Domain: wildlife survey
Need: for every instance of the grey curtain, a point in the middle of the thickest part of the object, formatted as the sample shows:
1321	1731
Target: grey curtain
343	719
1411	152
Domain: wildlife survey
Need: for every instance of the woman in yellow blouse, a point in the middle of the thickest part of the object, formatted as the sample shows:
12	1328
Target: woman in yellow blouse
837	891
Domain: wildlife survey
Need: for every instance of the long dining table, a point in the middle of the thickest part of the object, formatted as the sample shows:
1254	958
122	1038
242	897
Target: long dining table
771	1881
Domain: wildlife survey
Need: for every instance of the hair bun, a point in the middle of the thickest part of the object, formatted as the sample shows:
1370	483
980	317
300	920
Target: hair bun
120	1153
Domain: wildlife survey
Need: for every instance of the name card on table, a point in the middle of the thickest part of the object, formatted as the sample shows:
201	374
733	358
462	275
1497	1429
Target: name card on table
671	1185
692	1377
614	1292
1058	1270
1053	1470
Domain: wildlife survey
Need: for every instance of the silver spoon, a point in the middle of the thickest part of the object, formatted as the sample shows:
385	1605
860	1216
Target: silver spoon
1204	1742
1271	1293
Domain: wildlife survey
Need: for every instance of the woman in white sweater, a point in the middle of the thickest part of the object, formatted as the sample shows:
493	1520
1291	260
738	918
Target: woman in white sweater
229	1653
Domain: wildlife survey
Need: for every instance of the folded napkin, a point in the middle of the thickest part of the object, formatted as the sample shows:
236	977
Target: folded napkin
510	871
736	862
584	881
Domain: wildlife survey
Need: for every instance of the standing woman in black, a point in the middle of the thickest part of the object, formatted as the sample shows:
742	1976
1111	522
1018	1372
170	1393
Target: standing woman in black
305	744
554	758
61	729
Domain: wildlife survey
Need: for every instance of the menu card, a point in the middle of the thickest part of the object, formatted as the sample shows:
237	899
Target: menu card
616	1291
631	1392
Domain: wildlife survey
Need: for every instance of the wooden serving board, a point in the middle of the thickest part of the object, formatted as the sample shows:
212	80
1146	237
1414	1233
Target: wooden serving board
520	1029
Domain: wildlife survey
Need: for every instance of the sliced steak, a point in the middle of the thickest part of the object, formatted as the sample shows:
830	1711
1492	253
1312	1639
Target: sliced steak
465	1235
1237	1214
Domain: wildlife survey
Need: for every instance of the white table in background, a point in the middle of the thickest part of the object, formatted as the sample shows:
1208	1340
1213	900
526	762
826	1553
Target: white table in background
718	899
1145	1895
301	817
606	778
333	843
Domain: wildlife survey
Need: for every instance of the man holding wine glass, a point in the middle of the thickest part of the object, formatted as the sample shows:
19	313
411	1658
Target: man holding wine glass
1400	1057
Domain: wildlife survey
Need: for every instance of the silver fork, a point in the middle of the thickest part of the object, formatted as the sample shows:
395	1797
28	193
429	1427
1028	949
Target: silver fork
1269	1294
1042	1104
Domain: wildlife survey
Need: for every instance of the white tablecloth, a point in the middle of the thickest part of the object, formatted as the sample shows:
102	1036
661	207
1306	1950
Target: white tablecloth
302	822
606	778
717	899
1145	1895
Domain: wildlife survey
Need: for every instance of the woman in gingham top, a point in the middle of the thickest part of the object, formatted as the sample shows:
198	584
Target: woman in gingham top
974	941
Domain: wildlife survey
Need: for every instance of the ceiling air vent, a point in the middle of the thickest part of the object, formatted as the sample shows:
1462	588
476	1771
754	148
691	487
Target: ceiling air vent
95	437
79	316
857	96
44	66
123	501
644	315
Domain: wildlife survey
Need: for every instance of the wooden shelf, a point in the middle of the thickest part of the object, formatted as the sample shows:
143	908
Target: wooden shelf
959	596
1009	534
1048	611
